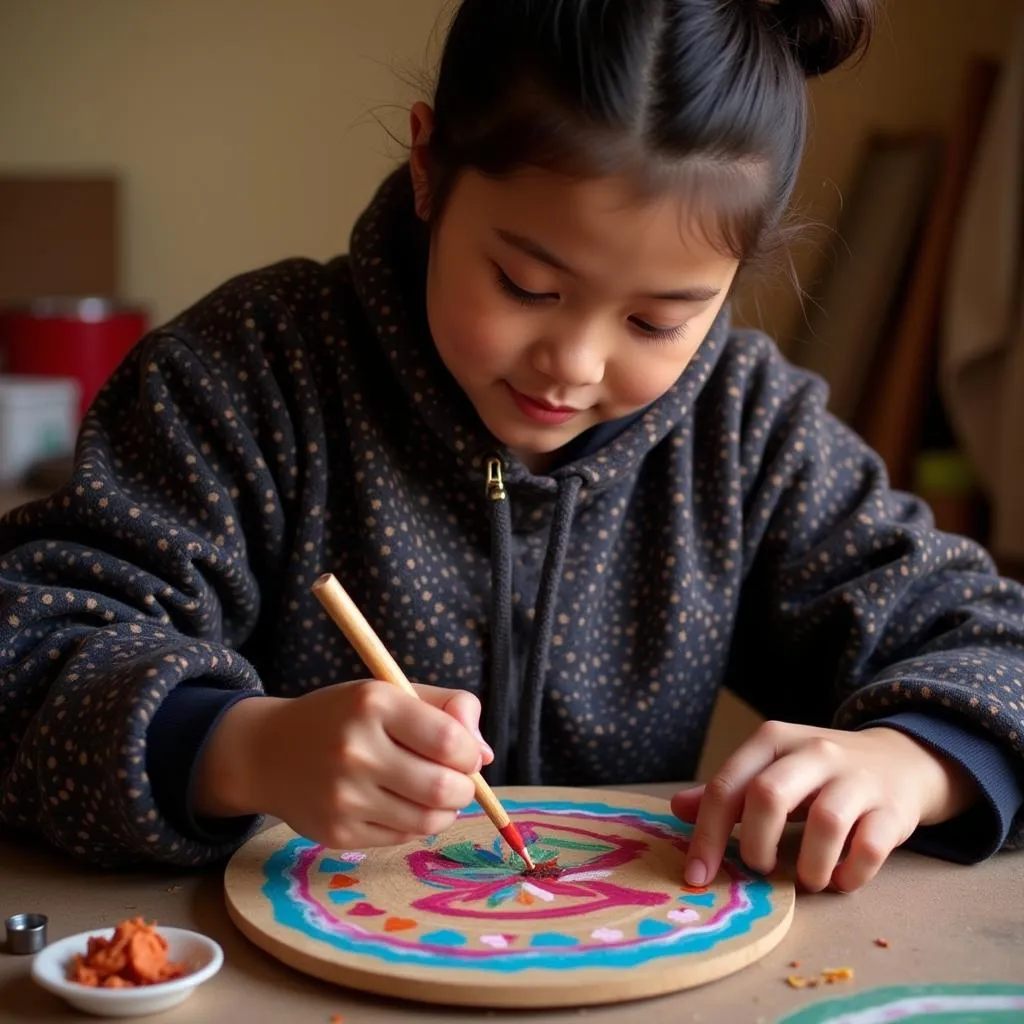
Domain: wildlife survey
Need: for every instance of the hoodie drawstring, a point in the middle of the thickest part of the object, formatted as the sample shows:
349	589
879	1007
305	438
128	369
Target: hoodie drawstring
531	703
496	728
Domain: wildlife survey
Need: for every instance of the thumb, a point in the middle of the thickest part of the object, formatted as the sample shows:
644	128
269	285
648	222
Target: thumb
686	803
462	705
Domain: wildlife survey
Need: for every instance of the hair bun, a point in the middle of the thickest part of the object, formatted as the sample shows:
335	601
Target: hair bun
823	34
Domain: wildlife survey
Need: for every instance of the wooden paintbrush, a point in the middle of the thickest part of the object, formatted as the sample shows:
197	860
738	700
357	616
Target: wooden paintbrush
351	621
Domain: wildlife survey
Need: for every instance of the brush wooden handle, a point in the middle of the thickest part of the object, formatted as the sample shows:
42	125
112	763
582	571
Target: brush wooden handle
377	658
351	621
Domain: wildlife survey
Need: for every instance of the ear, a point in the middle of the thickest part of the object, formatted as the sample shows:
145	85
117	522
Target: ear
421	124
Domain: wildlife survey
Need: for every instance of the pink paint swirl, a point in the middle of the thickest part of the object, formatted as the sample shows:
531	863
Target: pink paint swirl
467	897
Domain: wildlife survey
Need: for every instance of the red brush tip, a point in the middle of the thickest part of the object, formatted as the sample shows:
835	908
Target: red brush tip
511	836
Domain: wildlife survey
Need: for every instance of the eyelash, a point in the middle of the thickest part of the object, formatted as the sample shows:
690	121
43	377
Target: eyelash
525	298
521	295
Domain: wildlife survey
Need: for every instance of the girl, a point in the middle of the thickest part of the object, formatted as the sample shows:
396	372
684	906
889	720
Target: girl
516	423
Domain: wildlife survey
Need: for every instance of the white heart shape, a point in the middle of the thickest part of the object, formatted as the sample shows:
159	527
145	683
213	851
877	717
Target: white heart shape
494	941
683	916
606	934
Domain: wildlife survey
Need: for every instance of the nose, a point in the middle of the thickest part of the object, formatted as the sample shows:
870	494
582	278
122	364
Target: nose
572	360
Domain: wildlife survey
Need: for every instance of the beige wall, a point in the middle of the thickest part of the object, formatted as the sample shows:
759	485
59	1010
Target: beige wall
244	128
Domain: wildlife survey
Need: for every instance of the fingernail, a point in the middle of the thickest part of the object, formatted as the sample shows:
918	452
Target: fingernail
696	873
483	743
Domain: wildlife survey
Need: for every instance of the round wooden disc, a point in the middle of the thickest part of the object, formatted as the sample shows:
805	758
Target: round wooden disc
452	919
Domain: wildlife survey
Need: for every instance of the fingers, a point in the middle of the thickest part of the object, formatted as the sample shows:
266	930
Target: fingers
463	706
773	796
428	785
686	803
395	792
831	818
421	727
877	834
843	784
360	835
723	798
393	812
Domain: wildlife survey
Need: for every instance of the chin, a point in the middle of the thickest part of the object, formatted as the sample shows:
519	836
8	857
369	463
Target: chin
534	442
519	435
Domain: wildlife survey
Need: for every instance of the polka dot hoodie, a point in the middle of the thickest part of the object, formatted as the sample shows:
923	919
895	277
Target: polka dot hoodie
298	420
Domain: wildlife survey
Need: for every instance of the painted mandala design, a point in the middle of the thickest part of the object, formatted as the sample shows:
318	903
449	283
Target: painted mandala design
616	899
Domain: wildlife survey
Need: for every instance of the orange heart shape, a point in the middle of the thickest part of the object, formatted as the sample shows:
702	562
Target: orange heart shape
398	924
342	882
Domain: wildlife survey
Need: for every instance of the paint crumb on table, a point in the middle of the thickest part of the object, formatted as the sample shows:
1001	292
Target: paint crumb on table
337	1018
834	974
829	976
794	963
883	943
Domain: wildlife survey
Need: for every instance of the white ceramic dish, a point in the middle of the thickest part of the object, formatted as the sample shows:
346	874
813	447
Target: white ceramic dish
202	955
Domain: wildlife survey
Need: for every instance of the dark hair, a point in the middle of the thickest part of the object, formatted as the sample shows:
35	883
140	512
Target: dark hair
707	94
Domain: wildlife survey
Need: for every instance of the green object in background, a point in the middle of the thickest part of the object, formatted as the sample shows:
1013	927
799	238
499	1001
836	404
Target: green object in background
945	472
926	1004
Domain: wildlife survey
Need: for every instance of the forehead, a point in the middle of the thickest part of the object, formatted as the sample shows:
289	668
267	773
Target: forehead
600	227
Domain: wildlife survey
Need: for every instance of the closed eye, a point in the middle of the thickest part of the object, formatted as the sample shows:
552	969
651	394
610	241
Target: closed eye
675	333
528	298
521	295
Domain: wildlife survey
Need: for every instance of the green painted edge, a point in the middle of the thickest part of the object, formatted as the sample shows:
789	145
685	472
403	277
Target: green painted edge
821	1013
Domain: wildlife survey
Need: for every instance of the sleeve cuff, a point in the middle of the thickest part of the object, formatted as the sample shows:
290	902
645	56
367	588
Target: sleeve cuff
979	832
175	741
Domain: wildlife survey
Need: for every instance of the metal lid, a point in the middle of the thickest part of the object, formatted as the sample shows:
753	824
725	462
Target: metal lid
26	933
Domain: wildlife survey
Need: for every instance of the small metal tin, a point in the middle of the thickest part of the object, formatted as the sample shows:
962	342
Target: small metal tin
26	933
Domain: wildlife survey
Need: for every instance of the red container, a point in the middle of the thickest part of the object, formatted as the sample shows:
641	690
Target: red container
84	338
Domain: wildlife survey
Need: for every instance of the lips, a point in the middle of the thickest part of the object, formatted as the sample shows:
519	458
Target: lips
540	411
550	407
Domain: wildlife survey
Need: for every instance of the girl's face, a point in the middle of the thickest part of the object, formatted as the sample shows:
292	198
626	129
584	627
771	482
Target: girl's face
560	304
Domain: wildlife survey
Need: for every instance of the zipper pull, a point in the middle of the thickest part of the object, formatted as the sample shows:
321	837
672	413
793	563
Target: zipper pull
495	482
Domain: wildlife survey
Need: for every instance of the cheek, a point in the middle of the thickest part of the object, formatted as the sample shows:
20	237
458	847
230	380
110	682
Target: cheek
653	368
650	372
472	325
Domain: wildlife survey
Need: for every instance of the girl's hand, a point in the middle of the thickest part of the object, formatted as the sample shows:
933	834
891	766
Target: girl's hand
862	794
349	766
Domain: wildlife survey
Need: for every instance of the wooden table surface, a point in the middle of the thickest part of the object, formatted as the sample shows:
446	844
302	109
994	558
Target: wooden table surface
944	923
